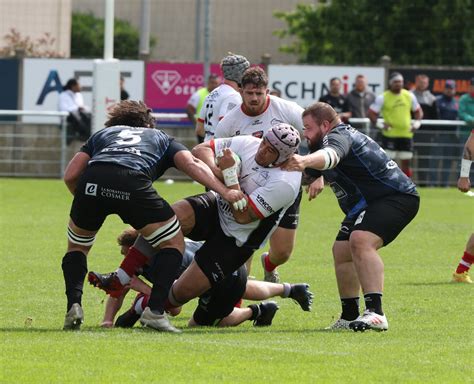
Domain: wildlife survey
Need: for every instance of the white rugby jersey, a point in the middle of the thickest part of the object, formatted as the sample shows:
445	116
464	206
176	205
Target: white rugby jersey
270	192
217	104
277	110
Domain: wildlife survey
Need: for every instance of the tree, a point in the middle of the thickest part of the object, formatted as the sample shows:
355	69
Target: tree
17	44
87	37
436	32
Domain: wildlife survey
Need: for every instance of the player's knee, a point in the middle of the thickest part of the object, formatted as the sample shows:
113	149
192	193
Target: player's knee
359	243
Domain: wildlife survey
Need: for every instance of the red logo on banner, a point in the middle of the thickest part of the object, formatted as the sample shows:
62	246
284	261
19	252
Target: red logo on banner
166	80
170	85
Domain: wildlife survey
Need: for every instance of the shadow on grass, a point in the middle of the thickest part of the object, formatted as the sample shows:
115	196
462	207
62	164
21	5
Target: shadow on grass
186	331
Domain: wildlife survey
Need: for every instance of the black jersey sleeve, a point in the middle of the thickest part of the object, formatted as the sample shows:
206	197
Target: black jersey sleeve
340	142
173	149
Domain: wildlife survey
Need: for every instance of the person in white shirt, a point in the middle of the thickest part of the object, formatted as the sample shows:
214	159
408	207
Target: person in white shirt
232	235
71	100
224	98
258	111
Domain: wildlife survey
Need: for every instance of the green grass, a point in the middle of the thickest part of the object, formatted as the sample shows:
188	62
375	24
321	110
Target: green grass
431	321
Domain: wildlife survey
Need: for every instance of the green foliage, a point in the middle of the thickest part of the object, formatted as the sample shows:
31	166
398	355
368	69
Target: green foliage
429	340
87	38
436	32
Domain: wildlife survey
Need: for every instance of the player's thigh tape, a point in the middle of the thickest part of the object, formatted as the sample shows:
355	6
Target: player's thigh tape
78	239
166	232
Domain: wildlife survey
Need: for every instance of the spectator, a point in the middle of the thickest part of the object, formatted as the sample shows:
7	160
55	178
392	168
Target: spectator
424	138
396	105
195	102
359	100
123	93
466	111
275	92
444	141
336	100
79	119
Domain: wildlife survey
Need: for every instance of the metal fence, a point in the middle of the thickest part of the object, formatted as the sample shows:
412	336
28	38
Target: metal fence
41	150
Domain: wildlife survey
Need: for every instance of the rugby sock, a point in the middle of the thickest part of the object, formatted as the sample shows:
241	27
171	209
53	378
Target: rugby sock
74	267
373	302
466	261
286	290
350	308
165	270
255	311
269	266
132	262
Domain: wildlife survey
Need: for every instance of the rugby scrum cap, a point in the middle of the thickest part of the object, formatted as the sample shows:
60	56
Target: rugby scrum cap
234	66
285	139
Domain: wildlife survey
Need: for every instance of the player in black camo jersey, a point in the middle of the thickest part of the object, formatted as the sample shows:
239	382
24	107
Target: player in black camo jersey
113	174
379	200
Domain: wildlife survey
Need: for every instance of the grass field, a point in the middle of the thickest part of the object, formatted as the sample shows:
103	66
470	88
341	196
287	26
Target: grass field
431	335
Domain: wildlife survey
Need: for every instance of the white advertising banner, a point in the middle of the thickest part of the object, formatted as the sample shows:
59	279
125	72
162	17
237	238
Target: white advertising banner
305	84
43	80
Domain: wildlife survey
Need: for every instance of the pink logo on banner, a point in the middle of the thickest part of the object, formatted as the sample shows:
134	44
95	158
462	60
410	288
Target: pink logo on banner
170	85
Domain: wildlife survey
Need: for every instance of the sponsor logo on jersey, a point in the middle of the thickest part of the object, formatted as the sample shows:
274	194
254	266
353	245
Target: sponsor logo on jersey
257	122
264	204
391	164
360	218
258	134
91	189
338	191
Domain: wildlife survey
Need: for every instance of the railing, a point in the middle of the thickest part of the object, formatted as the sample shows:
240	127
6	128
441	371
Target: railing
24	146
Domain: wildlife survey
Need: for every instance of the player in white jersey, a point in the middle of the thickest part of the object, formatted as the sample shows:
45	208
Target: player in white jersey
258	111
224	98
231	236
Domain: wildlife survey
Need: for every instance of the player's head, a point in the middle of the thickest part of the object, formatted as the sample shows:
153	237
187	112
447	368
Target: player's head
131	113
318	119
126	239
254	90
234	66
213	82
279	143
395	82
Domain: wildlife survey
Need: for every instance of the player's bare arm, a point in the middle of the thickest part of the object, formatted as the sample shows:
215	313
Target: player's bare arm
205	153
322	159
199	171
74	170
464	183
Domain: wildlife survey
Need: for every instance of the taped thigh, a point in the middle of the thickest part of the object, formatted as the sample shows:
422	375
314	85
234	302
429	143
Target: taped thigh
74	238
166	232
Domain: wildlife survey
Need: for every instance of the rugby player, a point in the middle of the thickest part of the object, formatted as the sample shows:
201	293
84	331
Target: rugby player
378	199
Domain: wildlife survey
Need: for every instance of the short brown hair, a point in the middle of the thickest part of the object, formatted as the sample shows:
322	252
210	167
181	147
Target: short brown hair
255	76
320	111
131	113
127	237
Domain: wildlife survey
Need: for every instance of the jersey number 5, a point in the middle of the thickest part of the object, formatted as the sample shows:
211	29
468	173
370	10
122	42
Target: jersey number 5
129	137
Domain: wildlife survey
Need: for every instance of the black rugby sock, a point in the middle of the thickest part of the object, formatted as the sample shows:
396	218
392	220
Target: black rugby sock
74	267
350	308
165	270
373	302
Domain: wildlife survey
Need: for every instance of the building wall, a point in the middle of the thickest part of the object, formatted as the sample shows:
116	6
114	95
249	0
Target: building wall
33	18
240	26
